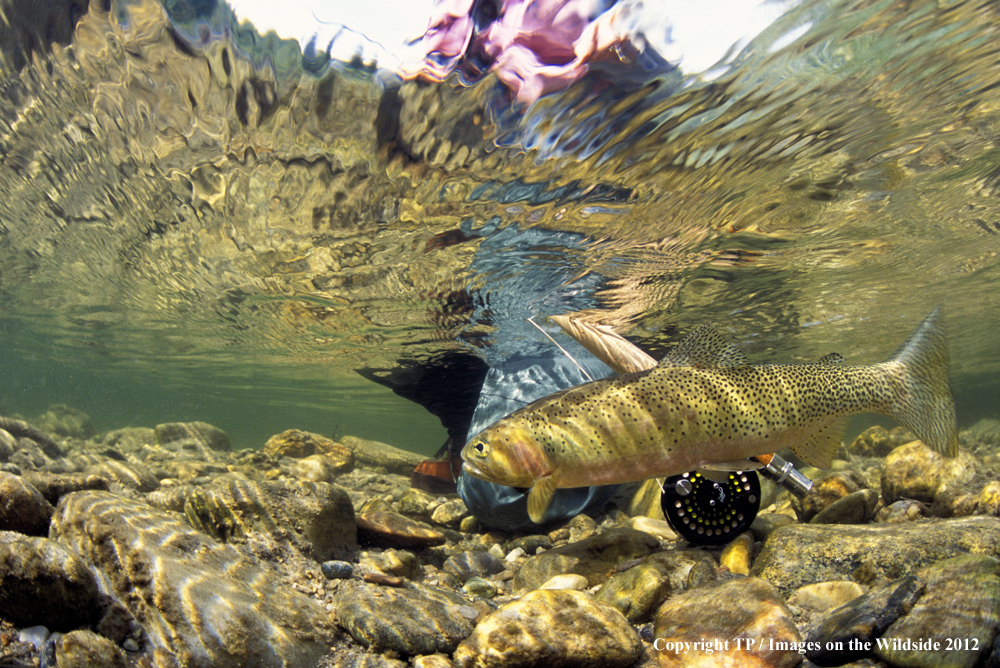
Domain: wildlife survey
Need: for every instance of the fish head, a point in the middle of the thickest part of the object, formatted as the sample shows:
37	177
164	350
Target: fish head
504	455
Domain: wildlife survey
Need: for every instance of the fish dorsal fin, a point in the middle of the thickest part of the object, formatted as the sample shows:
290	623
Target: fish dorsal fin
540	497
830	359
818	449
705	347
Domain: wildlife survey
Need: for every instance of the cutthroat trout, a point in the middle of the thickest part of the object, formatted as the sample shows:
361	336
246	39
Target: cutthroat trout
705	407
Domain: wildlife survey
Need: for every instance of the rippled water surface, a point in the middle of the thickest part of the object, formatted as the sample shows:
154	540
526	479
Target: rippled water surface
197	222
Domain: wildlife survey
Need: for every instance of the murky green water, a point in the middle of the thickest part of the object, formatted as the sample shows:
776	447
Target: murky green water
197	224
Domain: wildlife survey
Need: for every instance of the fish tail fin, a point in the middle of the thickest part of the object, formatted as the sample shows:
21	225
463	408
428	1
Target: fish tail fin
925	406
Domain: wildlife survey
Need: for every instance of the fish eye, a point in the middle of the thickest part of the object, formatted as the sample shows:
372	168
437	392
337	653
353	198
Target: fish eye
481	447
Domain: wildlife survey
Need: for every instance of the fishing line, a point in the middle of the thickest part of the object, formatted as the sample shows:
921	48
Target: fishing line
564	351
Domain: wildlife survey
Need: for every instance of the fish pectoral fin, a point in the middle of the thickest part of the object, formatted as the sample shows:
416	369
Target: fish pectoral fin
719	471
818	449
540	497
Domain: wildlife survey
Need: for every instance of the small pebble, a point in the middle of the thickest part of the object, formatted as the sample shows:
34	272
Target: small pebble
130	645
736	555
36	635
514	554
480	587
468	611
383	579
496	550
337	570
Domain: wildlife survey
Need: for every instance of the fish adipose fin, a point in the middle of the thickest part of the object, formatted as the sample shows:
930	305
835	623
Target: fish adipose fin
706	348
830	359
540	497
925	406
819	448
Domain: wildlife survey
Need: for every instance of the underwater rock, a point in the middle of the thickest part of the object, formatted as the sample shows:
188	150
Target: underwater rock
417	620
845	632
904	510
392	562
299	444
129	439
801	554
317	519
201	602
7	445
337	570
740	609
210	436
765	523
659	528
20	429
52	486
42	582
565	581
988	501
827	489
591	557
985	434
22	507
479	587
376	455
914	471
127	474
878	442
638	591
450	513
62	420
86	649
551	628
383	529
856	508
467	565
317	468
170	497
960	604
823	596
414	502
736	556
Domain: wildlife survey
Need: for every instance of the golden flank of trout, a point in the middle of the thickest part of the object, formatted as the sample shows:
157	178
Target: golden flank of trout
704	406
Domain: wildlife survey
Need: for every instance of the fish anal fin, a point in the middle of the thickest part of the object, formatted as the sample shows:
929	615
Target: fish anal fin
705	347
819	448
540	497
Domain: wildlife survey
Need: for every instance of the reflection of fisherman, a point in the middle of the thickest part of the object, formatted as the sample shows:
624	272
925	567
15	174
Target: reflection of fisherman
509	385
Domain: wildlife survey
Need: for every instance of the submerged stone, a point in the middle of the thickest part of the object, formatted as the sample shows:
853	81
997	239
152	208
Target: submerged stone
55	485
22	507
914	471
551	628
201	602
801	554
127	474
86	649
316	518
959	613
417	620
855	508
383	529
591	557
850	630
827	489
466	565
209	435
724	618
300	444
43	582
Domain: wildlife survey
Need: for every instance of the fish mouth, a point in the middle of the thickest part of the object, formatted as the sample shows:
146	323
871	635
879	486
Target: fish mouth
472	470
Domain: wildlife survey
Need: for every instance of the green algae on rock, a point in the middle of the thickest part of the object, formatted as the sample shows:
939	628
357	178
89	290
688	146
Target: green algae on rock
553	628
202	603
801	554
86	649
914	471
381	456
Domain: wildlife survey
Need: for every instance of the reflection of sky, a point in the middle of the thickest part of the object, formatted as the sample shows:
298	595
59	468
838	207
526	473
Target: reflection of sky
698	33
